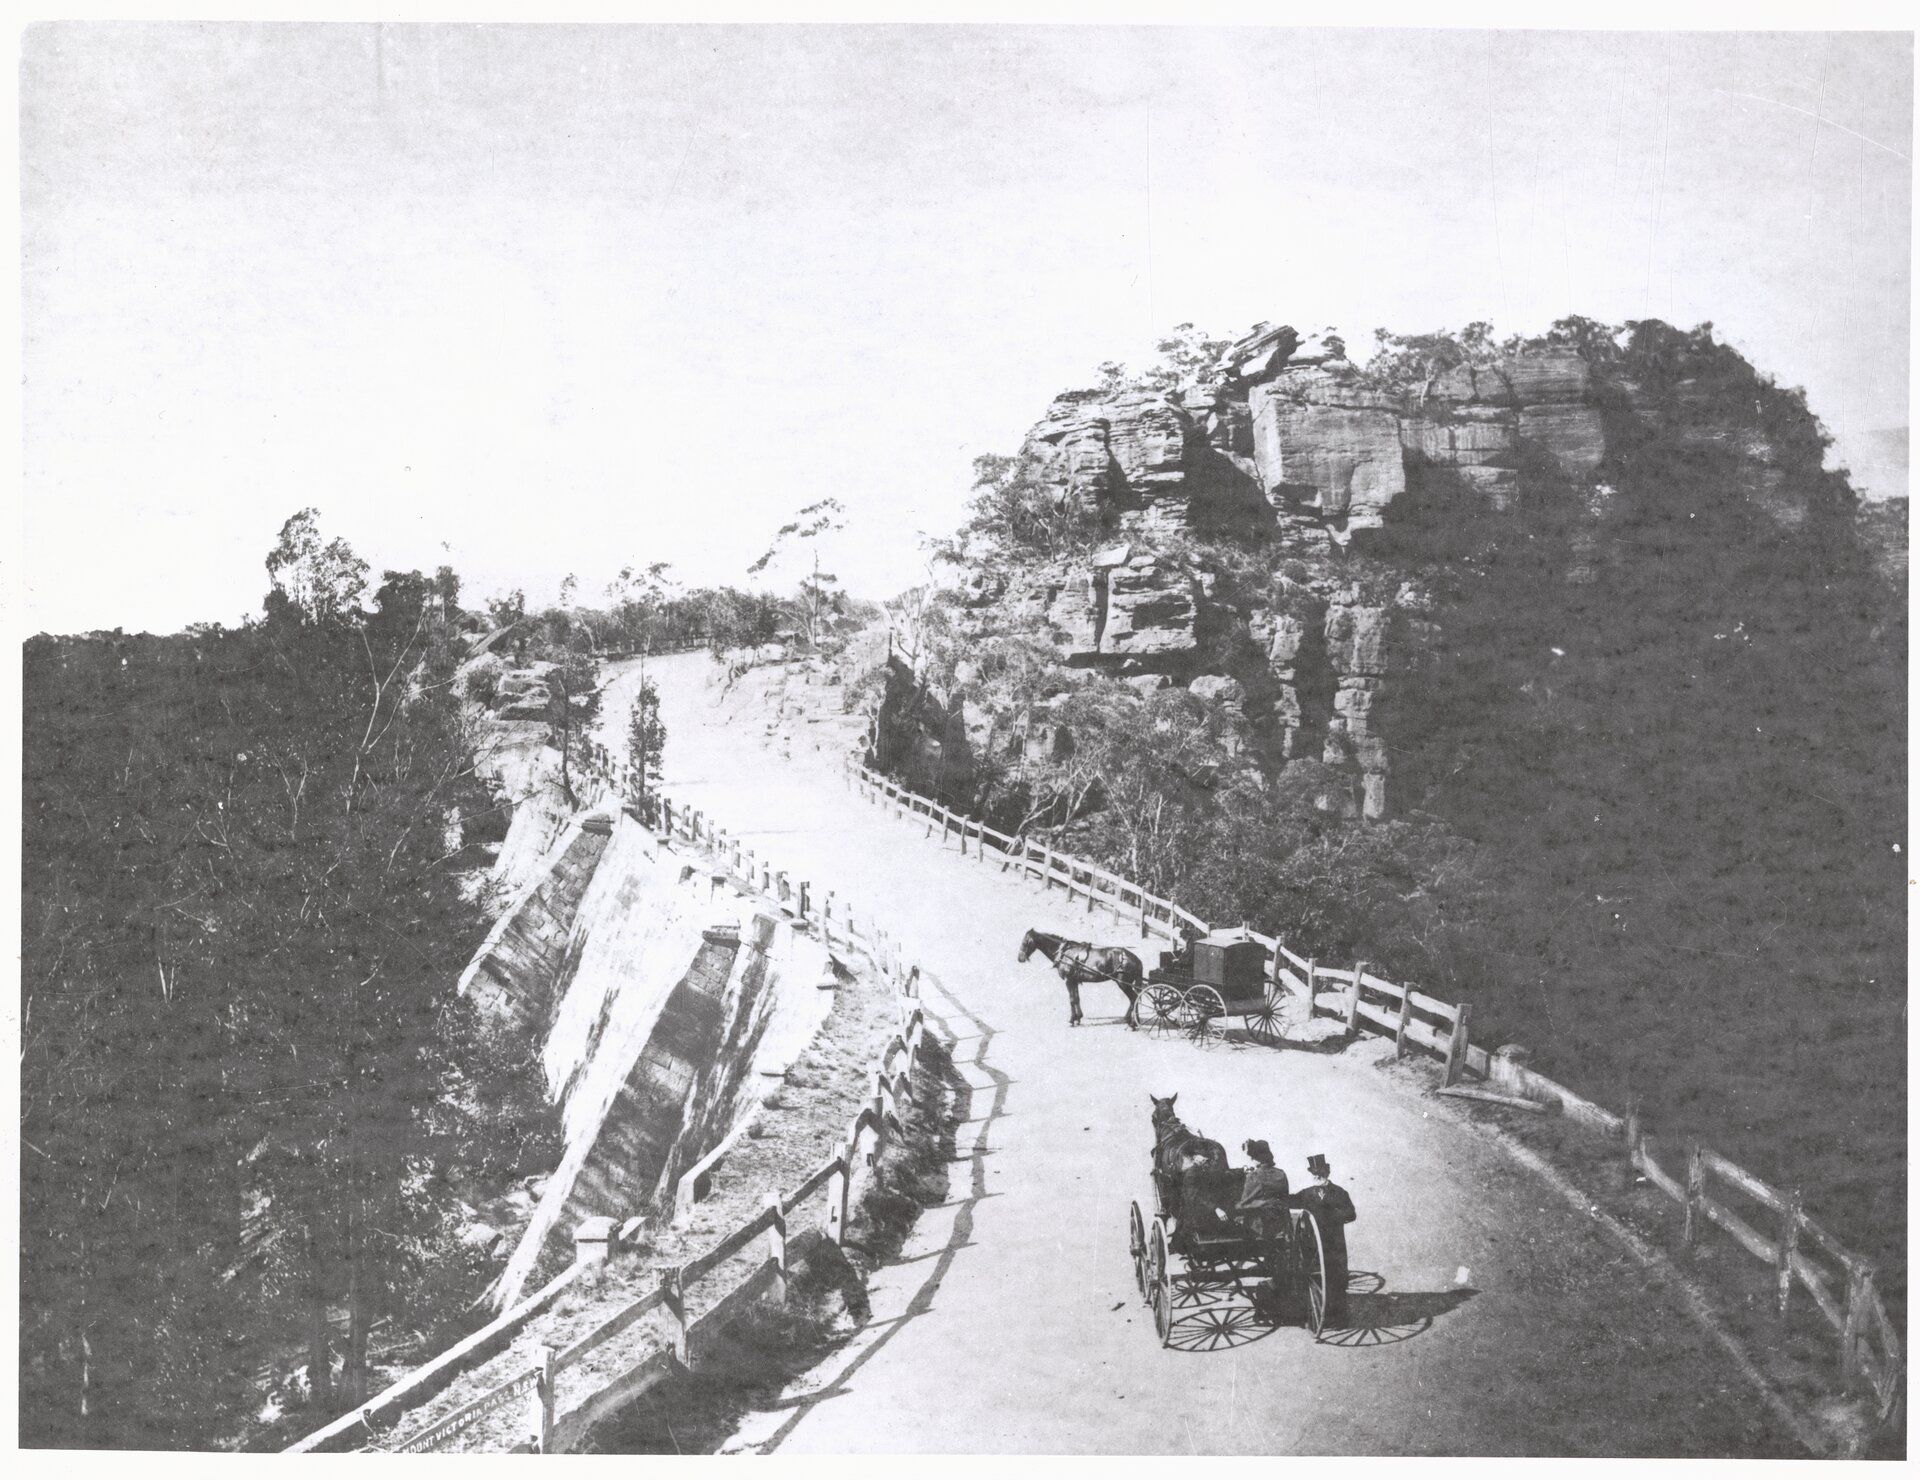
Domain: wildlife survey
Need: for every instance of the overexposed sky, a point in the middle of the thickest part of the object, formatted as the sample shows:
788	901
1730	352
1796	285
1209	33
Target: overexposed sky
540	300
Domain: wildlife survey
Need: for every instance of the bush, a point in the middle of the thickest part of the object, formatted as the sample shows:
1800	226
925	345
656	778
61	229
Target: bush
480	684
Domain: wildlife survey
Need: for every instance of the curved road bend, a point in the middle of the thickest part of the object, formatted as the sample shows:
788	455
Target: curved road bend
1492	1318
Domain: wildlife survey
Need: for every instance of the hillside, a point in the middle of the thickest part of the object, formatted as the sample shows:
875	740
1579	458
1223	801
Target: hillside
257	1117
1555	674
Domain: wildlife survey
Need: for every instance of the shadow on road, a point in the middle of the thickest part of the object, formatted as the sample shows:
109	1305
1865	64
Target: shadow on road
1377	1316
962	1234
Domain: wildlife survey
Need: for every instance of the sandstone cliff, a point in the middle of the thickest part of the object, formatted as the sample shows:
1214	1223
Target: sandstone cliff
1247	522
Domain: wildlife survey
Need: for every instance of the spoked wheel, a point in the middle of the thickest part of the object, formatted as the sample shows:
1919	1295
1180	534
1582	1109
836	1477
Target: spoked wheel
1263	1025
1137	1244
1160	1281
1204	1011
1162	1007
1310	1268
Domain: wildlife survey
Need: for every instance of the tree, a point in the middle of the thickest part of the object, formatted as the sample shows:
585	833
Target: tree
322	580
508	612
236	941
573	703
820	596
641	601
646	743
1015	508
1187	357
446	590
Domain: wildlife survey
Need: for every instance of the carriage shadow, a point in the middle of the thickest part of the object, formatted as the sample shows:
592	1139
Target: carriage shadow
1377	1316
1211	1316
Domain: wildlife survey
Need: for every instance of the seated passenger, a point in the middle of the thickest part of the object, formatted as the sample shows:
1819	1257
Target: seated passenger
1263	1193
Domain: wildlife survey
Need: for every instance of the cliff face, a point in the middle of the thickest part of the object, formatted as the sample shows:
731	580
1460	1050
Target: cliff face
1251	517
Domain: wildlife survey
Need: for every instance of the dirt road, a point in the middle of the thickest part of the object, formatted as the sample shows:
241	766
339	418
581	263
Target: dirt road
1489	1317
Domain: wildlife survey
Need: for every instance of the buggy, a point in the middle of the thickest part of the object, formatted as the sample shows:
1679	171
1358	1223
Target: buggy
1272	1256
1196	987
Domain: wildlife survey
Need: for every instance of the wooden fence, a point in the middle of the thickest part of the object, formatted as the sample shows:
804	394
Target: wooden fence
1840	1283
838	1178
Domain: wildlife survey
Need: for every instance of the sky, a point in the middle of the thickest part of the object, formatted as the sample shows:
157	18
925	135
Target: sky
539	301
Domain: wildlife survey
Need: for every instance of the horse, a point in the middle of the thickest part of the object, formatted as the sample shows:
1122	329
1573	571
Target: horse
1079	961
1180	1153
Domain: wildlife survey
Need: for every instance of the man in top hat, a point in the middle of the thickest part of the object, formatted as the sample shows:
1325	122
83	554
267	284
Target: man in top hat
1333	1211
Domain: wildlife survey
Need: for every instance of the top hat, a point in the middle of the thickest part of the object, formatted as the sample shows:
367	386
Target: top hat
1317	1165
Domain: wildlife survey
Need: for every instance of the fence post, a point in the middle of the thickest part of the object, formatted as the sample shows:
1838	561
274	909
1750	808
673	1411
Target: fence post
1457	1044
777	1244
1046	864
1312	988
878	1101
540	1401
1635	1134
1353	998
837	1199
1859	1297
803	898
1400	1031
1690	1224
1788	1247
674	1298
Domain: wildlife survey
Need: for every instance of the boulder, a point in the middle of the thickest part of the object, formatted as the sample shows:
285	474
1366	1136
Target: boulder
1144	684
1046	741
1071	615
1218	688
1150	610
1573	436
1262	352
1554	374
1147	436
1497	485
1472	436
1283	648
1357	639
1342	463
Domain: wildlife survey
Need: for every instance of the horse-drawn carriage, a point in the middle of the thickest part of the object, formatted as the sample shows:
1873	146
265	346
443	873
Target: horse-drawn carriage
1199	1244
1197	986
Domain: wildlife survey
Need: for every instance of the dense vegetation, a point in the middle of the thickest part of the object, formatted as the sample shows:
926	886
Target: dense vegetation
1648	770
250	1099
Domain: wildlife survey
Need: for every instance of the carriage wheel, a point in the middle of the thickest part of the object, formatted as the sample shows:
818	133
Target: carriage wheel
1137	1243
1263	1024
1160	1282
1204	1010
1310	1265
1163	1006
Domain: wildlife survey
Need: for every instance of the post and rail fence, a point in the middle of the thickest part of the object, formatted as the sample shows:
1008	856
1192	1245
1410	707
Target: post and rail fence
1840	1284
839	1177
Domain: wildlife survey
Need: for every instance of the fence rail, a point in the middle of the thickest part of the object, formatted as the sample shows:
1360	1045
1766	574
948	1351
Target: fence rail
867	1136
1844	1292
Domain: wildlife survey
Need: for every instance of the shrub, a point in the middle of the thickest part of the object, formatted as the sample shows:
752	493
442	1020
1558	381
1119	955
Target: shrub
480	684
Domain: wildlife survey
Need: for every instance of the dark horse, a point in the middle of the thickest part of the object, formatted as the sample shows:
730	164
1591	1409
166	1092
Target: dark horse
1182	1156
1080	961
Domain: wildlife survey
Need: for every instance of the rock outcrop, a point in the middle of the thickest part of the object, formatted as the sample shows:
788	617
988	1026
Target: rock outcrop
1286	445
